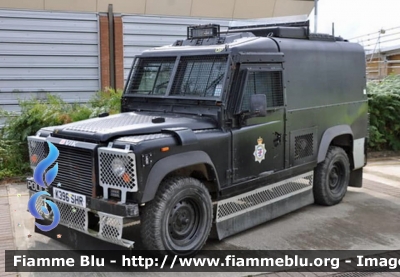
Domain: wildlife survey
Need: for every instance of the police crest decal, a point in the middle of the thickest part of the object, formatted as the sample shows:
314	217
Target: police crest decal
260	151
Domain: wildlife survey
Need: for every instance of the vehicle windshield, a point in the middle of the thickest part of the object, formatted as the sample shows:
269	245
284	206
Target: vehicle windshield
195	77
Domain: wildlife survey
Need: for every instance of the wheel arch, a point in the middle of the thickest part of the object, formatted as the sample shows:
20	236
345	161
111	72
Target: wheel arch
340	135
193	162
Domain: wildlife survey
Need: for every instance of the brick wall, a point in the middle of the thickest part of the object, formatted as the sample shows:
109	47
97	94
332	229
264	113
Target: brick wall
104	52
119	52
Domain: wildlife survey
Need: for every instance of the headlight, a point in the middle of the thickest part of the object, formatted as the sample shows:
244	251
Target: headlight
33	143
118	167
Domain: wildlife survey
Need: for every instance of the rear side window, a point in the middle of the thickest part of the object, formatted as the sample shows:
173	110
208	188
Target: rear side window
263	82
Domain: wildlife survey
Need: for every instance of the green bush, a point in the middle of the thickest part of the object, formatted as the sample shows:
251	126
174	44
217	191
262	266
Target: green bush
106	101
36	114
384	109
12	158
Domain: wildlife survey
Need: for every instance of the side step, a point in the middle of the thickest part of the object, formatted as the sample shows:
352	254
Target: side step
252	208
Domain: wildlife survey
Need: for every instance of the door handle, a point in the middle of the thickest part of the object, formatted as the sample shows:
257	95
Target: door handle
278	139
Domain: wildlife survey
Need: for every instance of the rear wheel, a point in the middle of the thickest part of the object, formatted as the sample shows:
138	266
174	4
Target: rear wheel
332	177
179	218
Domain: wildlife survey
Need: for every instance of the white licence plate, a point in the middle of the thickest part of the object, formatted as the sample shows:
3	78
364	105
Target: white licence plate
69	197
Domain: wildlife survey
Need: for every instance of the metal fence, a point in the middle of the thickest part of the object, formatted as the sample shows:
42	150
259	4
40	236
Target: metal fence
40	52
382	52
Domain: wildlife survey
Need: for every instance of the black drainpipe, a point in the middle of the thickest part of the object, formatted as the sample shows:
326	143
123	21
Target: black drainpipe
111	45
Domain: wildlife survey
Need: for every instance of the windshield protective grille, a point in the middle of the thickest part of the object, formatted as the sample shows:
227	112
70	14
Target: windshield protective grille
151	76
200	76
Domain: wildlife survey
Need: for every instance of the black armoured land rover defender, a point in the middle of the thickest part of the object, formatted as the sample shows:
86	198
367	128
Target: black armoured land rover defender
221	132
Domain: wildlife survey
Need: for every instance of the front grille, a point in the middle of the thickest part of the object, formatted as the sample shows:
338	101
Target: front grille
39	201
75	165
75	170
72	216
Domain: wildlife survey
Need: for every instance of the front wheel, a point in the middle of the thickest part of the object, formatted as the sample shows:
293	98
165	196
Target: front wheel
332	177
179	218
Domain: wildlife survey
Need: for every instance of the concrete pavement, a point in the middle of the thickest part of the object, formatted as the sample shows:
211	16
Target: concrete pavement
6	230
367	219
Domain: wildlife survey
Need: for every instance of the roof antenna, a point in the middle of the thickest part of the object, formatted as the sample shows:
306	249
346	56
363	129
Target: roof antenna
333	29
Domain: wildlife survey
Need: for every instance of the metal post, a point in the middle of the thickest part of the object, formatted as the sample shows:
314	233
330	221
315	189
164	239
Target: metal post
111	45
315	16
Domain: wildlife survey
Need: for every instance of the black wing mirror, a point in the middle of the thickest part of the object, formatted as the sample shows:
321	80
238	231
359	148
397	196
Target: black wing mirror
258	105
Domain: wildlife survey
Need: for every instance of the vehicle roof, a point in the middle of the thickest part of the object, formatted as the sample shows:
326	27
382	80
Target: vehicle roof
247	42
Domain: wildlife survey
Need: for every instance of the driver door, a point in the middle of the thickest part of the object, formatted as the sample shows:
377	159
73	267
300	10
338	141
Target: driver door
258	145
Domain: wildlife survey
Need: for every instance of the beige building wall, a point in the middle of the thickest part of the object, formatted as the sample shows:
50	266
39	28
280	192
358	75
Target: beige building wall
196	8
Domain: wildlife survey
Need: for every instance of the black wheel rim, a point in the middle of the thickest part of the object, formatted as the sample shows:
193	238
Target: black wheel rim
336	177
184	223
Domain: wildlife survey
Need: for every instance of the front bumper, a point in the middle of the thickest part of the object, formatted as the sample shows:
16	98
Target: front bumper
109	228
77	240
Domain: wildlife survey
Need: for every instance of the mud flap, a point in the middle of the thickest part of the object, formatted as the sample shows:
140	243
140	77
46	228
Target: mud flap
356	177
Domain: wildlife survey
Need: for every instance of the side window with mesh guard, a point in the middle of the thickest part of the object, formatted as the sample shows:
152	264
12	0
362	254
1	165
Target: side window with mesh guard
263	82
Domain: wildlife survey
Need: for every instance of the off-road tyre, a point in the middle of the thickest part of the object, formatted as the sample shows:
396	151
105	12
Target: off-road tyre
331	177
178	220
